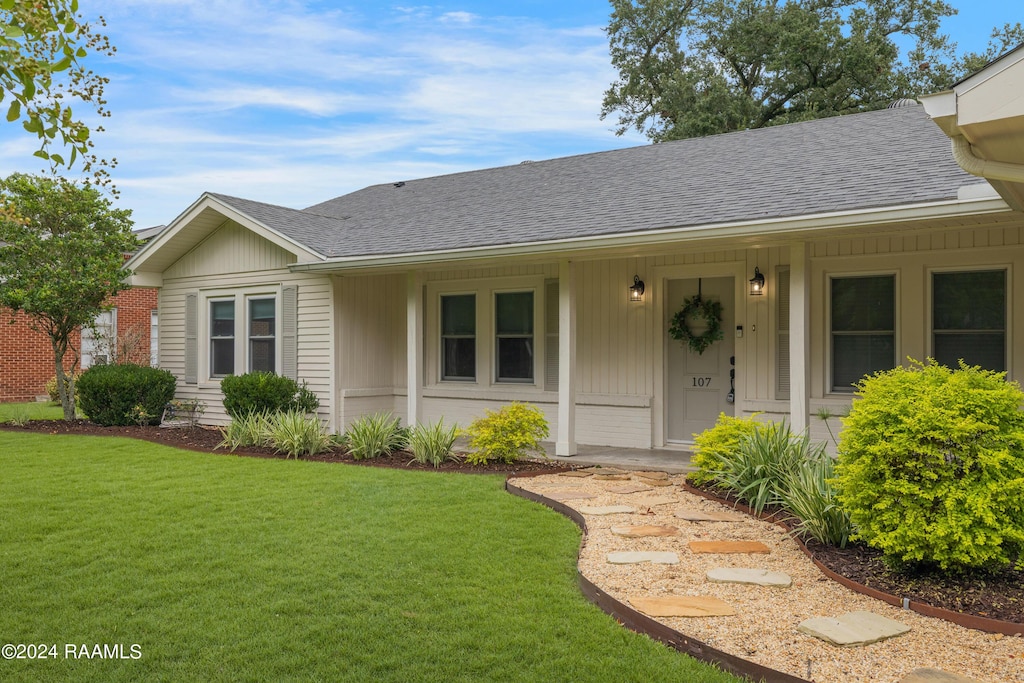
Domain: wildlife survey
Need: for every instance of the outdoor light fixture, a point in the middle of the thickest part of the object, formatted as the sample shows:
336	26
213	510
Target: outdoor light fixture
636	290
757	283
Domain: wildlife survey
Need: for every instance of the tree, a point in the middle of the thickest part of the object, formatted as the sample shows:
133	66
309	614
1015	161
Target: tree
689	68
41	45
62	248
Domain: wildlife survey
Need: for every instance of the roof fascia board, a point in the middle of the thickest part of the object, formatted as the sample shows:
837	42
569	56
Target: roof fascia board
993	68
206	201
819	222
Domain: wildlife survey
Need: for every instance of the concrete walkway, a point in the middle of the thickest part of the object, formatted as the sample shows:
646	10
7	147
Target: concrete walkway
673	461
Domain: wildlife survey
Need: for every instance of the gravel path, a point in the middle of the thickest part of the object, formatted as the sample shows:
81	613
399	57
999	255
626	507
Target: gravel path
764	628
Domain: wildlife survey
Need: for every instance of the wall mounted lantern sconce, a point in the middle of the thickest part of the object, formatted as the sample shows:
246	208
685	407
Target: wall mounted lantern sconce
757	283
636	290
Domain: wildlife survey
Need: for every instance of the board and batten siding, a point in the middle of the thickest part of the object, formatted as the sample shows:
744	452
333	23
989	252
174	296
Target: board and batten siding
235	259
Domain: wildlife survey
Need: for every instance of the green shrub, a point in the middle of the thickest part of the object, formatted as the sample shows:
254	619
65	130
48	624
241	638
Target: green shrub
124	394
372	436
809	495
721	441
507	434
931	466
295	434
764	462
250	429
51	386
265	392
432	444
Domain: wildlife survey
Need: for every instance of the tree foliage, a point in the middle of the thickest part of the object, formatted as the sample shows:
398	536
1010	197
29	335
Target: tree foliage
42	44
62	249
689	68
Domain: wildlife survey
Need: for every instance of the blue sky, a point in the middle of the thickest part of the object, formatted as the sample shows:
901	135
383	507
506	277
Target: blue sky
296	101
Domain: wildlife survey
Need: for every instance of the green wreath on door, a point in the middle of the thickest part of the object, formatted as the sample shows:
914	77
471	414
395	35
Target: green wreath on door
700	308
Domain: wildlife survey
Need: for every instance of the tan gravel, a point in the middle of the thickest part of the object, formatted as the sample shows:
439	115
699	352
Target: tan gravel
764	630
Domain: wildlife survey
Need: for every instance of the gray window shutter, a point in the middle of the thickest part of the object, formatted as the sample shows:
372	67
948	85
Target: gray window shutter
191	338
551	335
289	331
782	348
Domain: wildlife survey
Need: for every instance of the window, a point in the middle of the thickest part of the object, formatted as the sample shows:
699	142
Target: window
969	318
154	338
458	337
98	341
513	325
863	328
222	337
262	334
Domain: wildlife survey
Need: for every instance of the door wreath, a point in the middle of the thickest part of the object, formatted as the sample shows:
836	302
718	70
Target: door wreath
697	307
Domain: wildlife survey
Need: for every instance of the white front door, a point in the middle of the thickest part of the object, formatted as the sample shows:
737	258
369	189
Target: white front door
698	386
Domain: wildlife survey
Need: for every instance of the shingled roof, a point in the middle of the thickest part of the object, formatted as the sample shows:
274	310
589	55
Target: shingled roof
893	157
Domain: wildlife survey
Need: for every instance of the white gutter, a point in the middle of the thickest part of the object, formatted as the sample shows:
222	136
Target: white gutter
992	170
841	219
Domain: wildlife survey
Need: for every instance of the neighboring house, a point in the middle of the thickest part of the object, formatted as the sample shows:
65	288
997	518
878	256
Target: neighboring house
128	329
445	296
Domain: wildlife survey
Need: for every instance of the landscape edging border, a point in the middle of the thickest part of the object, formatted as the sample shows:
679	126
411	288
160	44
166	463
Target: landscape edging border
641	623
1007	628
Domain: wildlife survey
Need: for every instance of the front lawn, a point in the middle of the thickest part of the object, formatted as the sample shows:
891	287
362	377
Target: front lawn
229	568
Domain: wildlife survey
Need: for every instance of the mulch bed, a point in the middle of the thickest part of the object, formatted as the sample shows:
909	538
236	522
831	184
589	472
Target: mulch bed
997	595
205	439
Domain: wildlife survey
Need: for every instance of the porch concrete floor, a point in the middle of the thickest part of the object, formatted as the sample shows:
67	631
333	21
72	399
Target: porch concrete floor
672	461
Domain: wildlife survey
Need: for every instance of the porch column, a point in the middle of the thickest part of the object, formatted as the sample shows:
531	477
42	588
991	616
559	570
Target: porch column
414	347
799	337
565	443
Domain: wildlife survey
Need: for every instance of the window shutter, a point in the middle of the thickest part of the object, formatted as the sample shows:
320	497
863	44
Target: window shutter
191	338
551	335
289	331
782	348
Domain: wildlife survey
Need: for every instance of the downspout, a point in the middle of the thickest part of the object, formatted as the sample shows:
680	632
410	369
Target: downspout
991	170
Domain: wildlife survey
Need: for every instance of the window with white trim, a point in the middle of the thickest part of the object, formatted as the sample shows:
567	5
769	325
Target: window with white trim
458	337
863	330
969	318
222	337
99	339
514	342
262	334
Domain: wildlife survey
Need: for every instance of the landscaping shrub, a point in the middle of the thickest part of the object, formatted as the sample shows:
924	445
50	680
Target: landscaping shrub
250	429
265	392
372	436
721	441
295	434
931	466
507	434
51	387
124	394
432	444
810	496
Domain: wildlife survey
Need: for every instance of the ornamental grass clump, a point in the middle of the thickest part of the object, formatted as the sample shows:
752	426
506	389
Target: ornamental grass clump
432	444
507	434
718	442
809	495
248	429
372	436
295	434
931	467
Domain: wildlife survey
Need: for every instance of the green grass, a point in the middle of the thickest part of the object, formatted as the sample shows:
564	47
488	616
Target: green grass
232	568
31	411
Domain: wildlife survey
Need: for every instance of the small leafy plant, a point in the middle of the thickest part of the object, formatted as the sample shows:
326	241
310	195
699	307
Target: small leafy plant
372	436
720	442
295	434
432	444
251	429
51	386
507	434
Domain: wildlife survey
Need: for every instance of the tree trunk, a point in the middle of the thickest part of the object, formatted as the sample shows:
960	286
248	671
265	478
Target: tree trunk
65	391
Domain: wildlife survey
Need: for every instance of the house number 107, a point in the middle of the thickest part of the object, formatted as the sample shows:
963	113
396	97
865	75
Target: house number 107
702	381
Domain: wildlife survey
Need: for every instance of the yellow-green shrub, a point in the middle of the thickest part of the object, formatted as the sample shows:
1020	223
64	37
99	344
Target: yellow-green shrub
718	442
931	466
507	434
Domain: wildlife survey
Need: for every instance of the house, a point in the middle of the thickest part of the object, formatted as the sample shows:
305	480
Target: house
835	247
128	329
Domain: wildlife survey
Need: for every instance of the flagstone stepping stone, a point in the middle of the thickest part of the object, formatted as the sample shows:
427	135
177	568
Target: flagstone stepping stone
652	475
612	477
629	488
607	510
653	482
935	676
604	470
654	502
729	547
636	557
701	516
575	473
853	629
756	577
645	530
569	495
682	606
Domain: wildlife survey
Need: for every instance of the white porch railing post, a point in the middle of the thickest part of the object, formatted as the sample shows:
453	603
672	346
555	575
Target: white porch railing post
799	337
565	443
414	348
